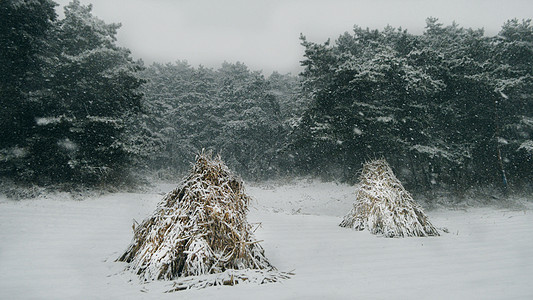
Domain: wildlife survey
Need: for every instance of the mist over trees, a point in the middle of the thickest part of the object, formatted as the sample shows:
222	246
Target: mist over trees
233	111
448	108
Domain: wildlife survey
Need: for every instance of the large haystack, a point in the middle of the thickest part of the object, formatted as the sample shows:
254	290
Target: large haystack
383	206
199	228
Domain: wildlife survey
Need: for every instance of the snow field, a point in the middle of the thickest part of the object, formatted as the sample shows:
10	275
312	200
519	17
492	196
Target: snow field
59	248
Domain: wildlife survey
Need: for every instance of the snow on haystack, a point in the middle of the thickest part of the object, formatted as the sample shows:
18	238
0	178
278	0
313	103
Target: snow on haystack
383	206
200	228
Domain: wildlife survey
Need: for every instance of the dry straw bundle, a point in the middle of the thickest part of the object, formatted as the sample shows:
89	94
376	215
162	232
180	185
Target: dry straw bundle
383	206
199	228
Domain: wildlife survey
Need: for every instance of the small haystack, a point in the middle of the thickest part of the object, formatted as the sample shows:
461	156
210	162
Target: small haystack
200	228
383	206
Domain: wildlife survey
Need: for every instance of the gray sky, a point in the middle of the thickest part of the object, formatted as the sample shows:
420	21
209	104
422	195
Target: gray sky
265	34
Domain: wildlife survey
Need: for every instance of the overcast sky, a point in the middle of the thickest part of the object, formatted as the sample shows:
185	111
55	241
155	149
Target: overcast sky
265	34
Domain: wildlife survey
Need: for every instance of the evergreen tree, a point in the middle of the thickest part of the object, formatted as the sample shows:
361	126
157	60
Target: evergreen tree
83	88
451	106
367	95
231	110
25	27
94	90
178	109
461	150
251	123
513	79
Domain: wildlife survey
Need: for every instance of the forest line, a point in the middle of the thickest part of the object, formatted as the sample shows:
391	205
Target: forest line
450	108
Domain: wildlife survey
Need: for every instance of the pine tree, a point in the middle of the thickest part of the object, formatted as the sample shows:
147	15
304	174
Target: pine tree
95	88
231	110
368	93
74	89
513	80
25	28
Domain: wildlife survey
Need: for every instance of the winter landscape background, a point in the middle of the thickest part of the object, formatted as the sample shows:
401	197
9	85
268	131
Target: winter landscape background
92	137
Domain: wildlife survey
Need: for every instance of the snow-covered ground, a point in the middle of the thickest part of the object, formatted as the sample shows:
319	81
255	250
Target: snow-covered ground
55	247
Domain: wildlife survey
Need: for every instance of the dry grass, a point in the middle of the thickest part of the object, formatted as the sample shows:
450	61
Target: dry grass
199	228
383	206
